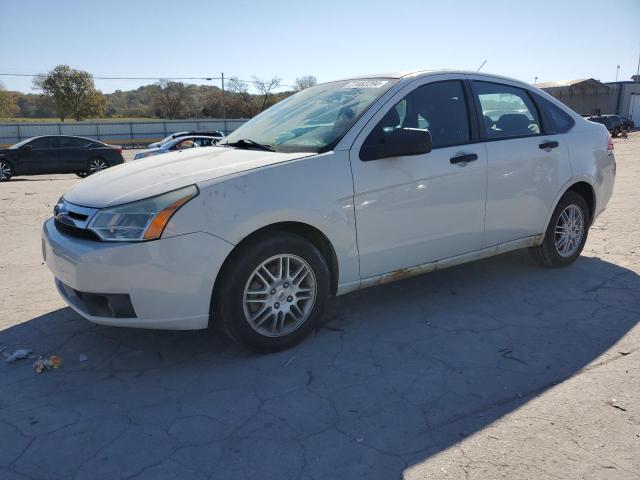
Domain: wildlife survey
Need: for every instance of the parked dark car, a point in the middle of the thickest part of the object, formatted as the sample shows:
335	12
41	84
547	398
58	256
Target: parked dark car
58	154
627	123
612	122
208	133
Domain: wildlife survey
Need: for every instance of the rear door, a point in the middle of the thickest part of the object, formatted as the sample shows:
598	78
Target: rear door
412	210
72	154
527	166
42	157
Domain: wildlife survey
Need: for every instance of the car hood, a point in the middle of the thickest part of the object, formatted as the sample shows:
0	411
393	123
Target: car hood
155	175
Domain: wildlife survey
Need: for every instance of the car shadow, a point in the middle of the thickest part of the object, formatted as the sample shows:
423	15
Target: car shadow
396	374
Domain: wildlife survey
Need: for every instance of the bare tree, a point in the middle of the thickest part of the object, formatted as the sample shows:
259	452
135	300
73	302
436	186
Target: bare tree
243	100
169	99
305	82
265	87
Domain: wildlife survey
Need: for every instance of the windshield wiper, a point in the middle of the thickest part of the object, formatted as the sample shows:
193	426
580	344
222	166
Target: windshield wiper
248	143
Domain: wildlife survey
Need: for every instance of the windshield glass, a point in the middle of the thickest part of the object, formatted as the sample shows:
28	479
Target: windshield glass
314	118
19	144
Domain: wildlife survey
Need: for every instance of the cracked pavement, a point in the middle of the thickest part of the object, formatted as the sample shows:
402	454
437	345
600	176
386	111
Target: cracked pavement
494	369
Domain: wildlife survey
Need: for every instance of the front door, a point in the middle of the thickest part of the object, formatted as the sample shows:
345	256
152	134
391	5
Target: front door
41	157
418	209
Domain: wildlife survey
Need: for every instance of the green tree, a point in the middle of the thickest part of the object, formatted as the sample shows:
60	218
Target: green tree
72	92
8	104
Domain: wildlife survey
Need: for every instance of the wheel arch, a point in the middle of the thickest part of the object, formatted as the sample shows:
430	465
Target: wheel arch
308	232
583	187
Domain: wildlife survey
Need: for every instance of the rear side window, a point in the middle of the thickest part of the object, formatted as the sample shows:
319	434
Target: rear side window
507	111
70	142
439	107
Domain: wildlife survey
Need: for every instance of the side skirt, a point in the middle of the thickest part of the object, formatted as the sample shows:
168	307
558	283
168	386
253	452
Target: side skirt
440	264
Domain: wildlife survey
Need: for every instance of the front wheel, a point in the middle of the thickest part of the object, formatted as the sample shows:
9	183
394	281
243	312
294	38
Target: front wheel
272	292
566	234
6	171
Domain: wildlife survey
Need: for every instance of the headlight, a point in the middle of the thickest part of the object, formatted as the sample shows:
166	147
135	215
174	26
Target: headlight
141	220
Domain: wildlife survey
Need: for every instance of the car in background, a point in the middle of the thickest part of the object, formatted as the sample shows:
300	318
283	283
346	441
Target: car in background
177	144
627	123
58	154
612	122
341	186
214	133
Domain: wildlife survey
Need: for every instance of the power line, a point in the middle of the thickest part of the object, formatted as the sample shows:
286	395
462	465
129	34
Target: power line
97	77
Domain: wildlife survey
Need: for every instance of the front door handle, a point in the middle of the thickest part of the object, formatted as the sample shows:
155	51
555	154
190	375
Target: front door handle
470	157
548	145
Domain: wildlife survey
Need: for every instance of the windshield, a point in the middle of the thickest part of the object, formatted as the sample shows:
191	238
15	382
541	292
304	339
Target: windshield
20	144
313	119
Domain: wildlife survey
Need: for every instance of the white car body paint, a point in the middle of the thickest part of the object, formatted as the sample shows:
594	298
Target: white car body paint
385	219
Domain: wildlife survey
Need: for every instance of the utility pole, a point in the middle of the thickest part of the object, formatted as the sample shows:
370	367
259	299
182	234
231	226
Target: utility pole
617	71
638	71
535	79
224	113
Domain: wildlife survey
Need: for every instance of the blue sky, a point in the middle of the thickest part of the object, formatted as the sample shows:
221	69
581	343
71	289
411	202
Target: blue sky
552	40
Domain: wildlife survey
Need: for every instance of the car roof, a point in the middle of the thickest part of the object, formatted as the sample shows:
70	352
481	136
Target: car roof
425	73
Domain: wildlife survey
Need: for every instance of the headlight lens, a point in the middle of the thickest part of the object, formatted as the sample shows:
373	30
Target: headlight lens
141	220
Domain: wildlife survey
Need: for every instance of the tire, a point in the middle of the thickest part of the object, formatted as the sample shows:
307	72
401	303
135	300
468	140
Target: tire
280	325
559	249
615	133
95	165
6	171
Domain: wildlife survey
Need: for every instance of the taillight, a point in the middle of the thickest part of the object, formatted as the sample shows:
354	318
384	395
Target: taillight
610	144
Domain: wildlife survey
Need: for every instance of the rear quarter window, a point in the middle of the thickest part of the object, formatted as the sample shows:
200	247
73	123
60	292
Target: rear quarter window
555	119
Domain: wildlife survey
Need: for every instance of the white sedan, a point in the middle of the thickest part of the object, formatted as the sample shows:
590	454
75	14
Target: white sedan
341	186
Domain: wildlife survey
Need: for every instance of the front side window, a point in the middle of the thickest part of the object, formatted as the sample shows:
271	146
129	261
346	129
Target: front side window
45	142
314	119
438	107
507	111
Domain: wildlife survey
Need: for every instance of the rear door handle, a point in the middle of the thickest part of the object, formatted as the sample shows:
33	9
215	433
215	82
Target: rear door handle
470	157
548	145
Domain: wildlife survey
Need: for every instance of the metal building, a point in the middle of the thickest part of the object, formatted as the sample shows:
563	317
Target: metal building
588	96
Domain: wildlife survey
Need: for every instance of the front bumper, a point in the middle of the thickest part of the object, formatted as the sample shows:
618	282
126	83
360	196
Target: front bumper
169	281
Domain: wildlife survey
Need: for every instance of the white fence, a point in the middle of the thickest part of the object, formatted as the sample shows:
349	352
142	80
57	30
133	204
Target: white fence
123	133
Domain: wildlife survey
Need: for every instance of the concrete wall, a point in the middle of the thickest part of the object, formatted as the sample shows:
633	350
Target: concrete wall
121	133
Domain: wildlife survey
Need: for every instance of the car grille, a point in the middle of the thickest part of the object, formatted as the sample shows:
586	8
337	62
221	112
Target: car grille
73	220
75	232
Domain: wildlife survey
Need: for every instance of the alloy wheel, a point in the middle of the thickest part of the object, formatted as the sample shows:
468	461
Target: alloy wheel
5	171
97	165
279	295
569	231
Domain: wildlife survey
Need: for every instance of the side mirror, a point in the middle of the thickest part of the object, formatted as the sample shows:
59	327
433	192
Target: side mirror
399	143
26	148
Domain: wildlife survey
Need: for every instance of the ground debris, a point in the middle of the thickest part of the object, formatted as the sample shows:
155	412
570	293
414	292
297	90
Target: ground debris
19	354
614	404
43	364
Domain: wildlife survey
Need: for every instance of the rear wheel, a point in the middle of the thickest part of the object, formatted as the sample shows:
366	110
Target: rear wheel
616	132
6	171
566	234
95	165
272	292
